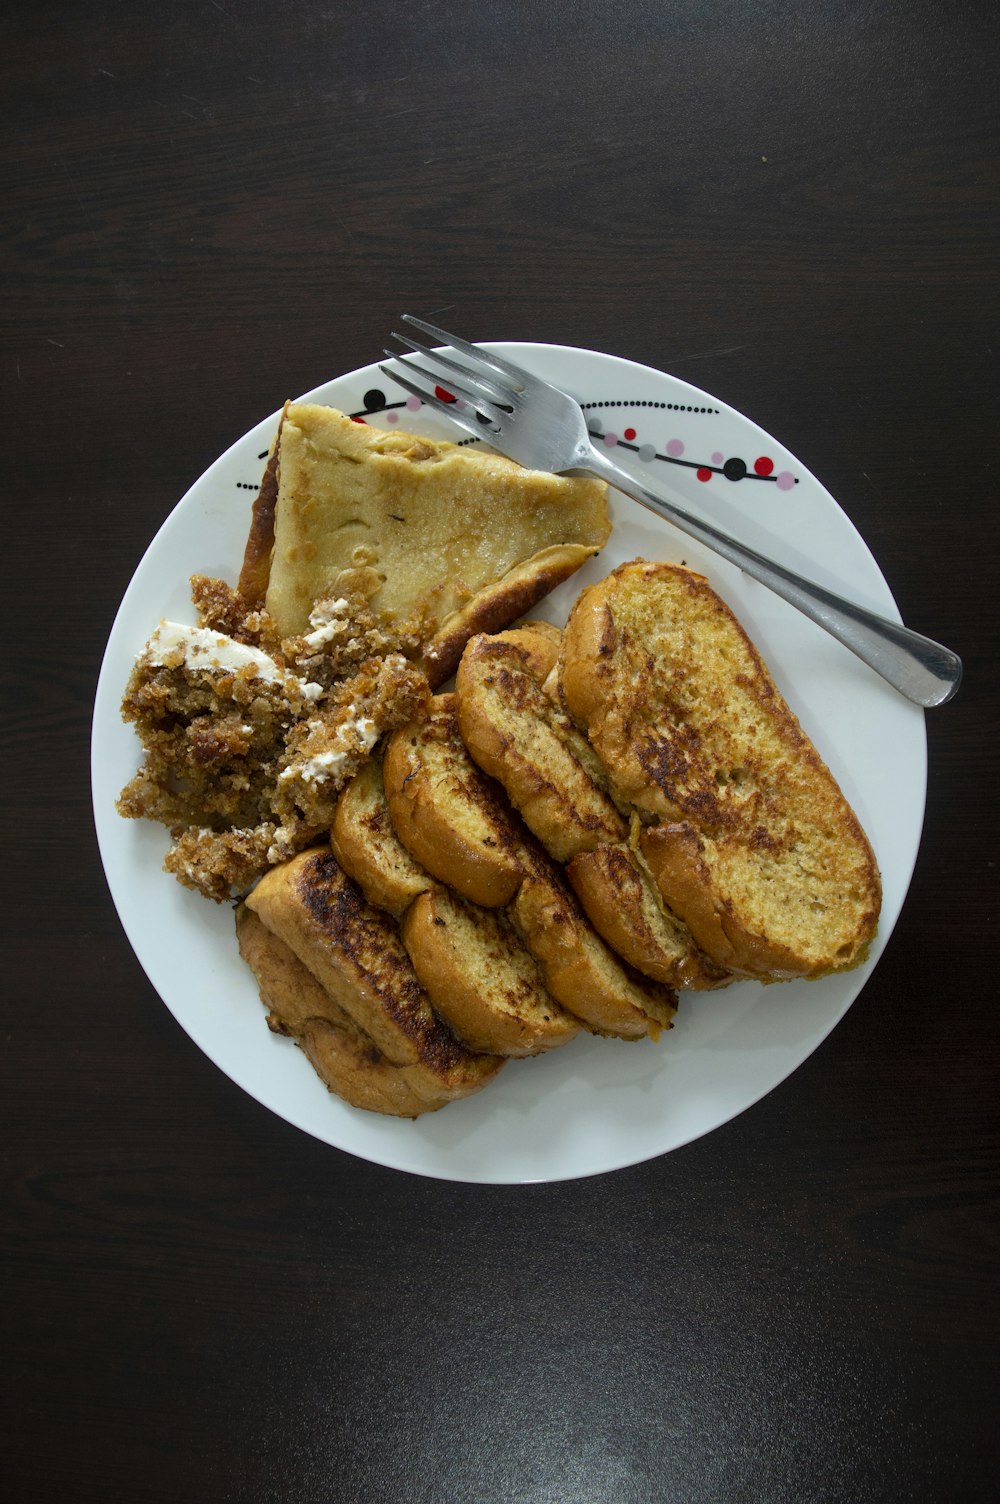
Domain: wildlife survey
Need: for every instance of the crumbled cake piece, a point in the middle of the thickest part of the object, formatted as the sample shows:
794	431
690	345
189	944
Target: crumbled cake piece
247	742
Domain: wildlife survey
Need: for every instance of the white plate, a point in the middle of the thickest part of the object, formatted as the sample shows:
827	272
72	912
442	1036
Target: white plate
595	1105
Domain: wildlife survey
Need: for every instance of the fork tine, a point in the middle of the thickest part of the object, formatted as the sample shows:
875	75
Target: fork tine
470	425
496	362
457	389
490	388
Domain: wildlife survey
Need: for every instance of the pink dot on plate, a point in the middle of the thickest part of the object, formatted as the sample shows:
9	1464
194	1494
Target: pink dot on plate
784	480
675	448
611	439
392	417
718	457
414	404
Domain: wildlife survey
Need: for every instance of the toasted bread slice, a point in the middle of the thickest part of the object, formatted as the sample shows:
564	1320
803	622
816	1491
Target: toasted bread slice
412	524
356	955
516	733
343	1055
368	848
450	817
481	979
757	849
626	909
579	969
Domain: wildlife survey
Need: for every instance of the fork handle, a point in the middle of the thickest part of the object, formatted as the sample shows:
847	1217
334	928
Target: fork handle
923	670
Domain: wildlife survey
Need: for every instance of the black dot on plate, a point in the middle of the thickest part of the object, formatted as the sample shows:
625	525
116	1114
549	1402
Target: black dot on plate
734	469
374	400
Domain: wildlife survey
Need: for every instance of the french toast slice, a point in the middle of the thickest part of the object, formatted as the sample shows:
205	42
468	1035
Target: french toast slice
368	848
749	837
481	979
343	1055
517	735
355	953
579	970
411	523
627	911
450	817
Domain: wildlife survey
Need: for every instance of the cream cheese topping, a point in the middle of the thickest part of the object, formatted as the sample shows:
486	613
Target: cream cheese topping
201	648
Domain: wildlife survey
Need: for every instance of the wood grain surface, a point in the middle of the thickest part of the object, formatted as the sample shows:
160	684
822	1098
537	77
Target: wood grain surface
212	205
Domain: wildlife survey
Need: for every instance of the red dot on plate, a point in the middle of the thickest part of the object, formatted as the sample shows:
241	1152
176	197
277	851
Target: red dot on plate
442	395
763	466
703	474
630	433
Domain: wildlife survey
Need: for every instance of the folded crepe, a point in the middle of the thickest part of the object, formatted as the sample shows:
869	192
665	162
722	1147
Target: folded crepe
448	539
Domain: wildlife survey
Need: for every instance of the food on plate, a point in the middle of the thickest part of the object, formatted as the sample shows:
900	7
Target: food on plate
368	848
518	735
744	829
579	969
511	720
334	974
481	978
247	738
447	813
626	908
431	883
445	539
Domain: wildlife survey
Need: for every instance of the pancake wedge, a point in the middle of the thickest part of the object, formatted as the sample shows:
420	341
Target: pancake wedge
451	539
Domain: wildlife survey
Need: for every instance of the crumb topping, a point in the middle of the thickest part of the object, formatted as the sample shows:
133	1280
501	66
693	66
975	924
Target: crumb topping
248	740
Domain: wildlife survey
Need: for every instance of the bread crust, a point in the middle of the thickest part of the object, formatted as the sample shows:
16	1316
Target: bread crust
344	1057
621	904
482	981
579	969
518	736
367	847
751	843
356	954
446	812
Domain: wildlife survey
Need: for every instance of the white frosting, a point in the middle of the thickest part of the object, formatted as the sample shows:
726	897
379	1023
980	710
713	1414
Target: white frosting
204	649
328	621
322	765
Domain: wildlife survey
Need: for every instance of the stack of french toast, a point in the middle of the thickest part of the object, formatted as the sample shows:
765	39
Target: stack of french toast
594	820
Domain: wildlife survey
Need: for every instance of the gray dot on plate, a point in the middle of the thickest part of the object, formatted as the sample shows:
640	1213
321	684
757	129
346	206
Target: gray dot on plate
647	452
595	425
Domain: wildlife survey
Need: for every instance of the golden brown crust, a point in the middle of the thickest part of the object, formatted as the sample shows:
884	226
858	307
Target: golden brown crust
260	541
481	979
367	847
622	905
356	954
342	1054
579	969
758	852
704	880
518	736
446	812
499	604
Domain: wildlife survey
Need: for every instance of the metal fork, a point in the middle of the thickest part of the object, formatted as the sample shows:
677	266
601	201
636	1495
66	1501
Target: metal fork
542	427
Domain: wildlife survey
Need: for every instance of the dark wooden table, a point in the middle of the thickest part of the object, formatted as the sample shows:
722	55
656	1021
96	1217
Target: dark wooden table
211	205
